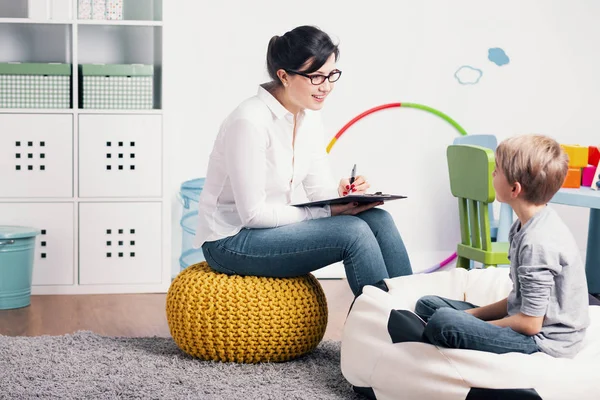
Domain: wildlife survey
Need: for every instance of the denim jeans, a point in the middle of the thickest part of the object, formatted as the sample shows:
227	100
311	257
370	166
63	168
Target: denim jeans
449	326
369	244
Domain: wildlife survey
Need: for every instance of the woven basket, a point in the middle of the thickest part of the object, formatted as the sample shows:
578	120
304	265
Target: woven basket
245	319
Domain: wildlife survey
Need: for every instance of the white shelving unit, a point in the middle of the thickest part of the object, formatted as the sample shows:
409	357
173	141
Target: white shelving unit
93	180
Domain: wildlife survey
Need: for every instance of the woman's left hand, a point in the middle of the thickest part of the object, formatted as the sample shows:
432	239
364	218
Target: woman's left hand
359	186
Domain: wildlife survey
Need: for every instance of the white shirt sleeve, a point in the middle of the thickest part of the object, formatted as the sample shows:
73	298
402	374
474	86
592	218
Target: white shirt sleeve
319	183
245	154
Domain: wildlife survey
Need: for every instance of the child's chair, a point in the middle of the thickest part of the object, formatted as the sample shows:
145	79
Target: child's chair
470	168
500	227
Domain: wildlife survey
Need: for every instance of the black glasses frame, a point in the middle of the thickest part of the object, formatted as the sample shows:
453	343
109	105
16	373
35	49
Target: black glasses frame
321	78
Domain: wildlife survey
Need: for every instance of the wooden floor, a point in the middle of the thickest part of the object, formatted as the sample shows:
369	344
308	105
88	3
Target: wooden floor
133	315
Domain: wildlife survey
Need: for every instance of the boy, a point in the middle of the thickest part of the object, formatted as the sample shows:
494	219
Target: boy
547	309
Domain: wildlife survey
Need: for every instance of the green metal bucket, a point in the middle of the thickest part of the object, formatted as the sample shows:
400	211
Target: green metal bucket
17	249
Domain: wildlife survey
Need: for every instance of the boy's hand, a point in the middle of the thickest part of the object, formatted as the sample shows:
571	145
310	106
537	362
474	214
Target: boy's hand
472	311
490	312
524	324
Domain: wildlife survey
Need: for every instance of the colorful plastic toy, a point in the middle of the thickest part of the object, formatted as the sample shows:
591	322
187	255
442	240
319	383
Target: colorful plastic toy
593	155
573	179
587	176
578	155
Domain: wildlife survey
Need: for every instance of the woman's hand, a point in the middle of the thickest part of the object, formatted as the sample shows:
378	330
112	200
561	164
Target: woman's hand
352	208
359	186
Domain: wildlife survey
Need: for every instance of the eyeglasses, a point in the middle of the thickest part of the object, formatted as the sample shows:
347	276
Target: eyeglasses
318	79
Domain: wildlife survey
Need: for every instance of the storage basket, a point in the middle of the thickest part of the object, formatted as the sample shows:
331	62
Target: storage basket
117	86
17	247
35	85
189	196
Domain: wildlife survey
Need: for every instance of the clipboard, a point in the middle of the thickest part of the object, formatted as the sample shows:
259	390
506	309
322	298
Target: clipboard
352	198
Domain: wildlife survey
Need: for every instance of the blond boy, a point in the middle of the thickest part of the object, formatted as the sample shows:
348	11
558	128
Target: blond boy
547	308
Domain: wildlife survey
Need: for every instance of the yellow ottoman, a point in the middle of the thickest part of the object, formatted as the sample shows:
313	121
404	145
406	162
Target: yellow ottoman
247	319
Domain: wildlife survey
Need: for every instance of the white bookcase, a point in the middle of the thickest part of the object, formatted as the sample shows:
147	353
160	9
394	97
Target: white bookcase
93	180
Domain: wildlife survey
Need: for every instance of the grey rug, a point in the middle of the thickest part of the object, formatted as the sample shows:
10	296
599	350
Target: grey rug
88	366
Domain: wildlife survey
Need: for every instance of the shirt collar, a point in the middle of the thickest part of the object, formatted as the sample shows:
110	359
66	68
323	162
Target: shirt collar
274	105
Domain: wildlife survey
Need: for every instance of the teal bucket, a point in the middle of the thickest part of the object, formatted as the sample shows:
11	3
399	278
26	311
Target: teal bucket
17	249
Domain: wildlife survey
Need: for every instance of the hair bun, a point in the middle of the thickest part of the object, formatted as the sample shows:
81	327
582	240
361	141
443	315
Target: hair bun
273	43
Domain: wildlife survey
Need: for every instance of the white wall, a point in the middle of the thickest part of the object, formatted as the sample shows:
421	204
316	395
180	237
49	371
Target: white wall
393	51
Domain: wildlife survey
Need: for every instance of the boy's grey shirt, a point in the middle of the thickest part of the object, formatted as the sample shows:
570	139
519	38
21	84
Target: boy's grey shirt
549	280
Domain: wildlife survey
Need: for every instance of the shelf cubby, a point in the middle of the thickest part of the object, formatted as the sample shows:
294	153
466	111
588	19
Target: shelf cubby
111	44
39	43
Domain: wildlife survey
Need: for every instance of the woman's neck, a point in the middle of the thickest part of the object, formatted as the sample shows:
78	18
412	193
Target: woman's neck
280	94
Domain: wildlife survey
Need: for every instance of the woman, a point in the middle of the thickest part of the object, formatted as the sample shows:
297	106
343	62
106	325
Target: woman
268	146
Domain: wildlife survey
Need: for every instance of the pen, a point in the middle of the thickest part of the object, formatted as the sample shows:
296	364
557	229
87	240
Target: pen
353	174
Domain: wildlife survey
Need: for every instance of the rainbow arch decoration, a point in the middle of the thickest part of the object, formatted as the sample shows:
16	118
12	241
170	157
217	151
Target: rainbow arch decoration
461	131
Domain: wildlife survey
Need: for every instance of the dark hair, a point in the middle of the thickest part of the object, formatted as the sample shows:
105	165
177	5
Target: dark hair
292	50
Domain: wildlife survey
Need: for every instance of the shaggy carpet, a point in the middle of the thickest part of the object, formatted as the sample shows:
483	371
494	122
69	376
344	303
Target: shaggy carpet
89	366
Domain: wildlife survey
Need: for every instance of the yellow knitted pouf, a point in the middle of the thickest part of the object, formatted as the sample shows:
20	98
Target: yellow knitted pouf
247	319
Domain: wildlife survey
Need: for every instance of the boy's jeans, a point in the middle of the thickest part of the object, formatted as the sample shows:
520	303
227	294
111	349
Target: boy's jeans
449	326
368	243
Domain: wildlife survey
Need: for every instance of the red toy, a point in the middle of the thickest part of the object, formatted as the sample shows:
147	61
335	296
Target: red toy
593	155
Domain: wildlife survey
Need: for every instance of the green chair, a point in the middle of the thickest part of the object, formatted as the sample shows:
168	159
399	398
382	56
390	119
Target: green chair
470	168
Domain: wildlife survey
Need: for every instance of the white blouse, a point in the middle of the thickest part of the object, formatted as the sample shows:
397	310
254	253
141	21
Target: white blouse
254	169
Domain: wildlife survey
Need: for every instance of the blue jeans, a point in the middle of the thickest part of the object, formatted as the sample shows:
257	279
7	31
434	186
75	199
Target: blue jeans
449	326
369	244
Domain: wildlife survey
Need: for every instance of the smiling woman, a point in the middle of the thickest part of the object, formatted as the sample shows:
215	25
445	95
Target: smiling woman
269	146
314	61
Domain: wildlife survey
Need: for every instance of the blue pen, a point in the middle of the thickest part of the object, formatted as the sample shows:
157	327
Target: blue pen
353	175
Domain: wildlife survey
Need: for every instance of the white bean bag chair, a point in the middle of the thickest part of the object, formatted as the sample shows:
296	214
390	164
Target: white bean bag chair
385	360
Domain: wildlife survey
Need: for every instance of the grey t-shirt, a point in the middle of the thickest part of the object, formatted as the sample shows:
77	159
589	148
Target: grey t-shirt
549	280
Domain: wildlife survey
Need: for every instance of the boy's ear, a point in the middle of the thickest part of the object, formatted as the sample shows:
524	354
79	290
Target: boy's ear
516	190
